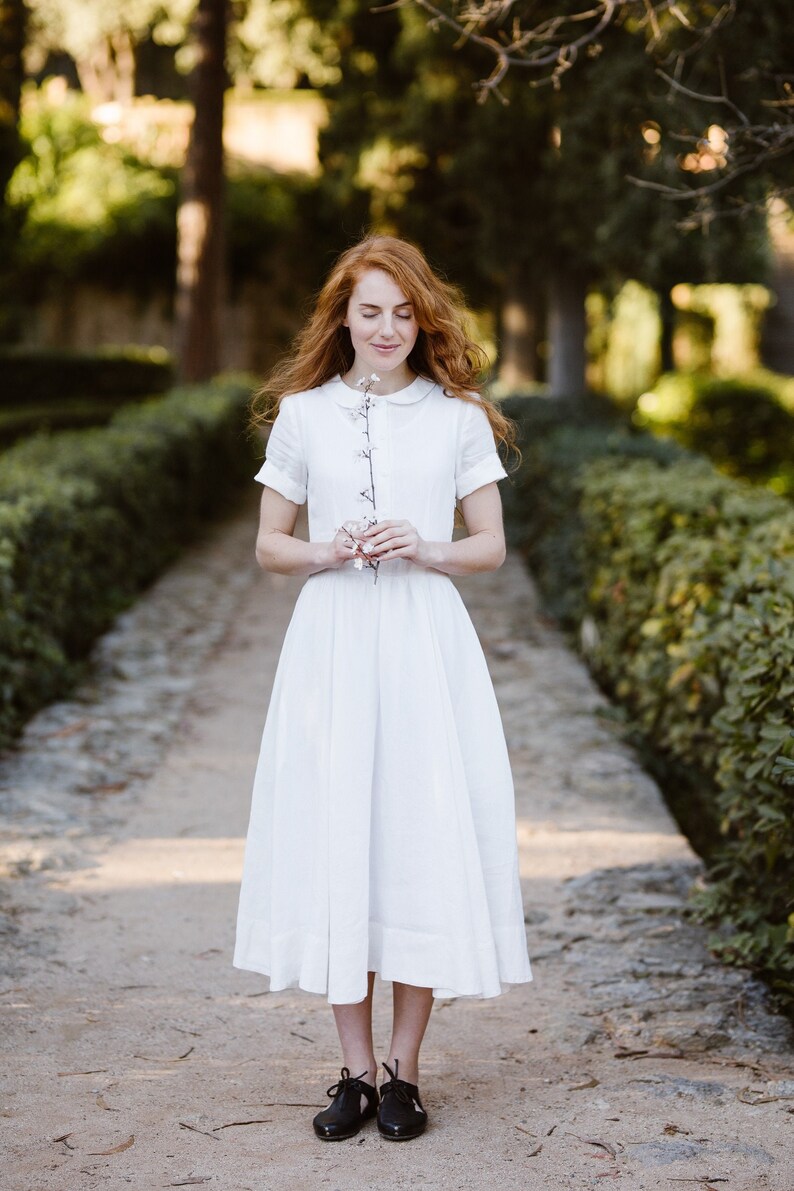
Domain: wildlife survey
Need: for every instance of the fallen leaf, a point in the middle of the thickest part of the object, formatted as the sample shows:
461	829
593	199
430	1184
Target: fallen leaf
193	1129
534	1153
176	1059
207	953
671	1129
62	1137
629	1054
521	1129
592	1082
604	1145
192	1182
96	1071
101	1102
752	1097
302	1036
234	1124
125	1145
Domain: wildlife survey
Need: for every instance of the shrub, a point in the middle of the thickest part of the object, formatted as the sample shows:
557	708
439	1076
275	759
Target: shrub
744	425
55	377
89	517
686	587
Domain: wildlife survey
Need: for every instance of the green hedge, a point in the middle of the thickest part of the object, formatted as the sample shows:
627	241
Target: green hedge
87	518
51	377
745	425
682	589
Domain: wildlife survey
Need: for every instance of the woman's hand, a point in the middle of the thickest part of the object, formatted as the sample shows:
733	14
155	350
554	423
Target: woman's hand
344	546
396	539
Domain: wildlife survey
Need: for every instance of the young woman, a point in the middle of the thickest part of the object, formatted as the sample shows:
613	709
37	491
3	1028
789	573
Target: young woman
382	834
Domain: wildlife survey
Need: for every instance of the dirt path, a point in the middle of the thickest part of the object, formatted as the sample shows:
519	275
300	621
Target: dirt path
137	1056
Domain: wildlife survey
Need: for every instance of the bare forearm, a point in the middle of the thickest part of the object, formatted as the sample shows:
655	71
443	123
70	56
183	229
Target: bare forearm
281	553
483	551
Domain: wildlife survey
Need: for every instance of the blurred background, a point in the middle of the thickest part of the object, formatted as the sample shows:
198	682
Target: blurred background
338	118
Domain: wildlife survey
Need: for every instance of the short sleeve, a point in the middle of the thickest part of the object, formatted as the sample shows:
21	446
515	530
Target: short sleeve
285	460
477	461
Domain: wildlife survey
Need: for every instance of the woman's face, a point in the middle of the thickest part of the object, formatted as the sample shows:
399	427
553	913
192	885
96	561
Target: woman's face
383	329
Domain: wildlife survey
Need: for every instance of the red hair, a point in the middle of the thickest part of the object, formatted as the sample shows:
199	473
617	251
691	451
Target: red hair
443	352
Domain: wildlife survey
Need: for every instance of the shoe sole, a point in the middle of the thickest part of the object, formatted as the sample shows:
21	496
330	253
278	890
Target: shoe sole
401	1136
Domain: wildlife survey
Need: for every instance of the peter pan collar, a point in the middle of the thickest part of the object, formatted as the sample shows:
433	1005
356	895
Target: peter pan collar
344	395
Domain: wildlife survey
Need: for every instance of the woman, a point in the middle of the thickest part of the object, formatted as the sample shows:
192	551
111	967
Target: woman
382	835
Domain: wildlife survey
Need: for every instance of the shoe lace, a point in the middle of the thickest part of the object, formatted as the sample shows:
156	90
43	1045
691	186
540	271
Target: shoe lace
398	1087
344	1083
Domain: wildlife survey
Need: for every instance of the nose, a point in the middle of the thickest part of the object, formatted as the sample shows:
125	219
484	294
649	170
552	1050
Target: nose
387	328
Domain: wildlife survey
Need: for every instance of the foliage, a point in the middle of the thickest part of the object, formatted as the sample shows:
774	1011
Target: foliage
92	210
744	424
89	517
685	602
32	377
95	213
273	43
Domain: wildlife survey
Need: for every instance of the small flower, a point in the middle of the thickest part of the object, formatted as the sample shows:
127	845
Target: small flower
364	383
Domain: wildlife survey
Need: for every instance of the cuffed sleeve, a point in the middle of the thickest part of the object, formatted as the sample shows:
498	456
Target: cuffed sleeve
285	459
477	460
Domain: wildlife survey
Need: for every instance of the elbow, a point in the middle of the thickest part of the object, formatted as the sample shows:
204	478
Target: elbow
265	558
497	554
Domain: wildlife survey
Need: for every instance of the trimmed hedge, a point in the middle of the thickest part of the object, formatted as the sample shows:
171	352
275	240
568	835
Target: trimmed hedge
87	518
17	423
684	601
745	425
118	374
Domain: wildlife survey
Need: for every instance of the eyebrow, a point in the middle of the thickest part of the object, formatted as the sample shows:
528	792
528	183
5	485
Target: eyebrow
372	306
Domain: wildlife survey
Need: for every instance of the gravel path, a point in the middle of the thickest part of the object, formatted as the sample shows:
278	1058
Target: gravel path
136	1055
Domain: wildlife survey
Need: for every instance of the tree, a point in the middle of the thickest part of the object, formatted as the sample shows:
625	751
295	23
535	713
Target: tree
102	35
699	49
200	239
527	203
13	19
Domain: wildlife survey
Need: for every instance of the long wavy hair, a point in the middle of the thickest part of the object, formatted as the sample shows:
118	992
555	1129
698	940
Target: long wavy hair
443	352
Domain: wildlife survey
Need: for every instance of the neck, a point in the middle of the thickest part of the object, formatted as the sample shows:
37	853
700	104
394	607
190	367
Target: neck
390	382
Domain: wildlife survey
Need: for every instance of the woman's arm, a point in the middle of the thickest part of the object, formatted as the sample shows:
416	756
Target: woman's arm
483	550
277	550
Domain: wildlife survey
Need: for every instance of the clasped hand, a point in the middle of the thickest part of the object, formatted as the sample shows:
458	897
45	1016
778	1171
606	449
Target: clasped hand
383	541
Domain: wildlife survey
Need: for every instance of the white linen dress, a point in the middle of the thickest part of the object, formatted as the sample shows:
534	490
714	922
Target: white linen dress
382	833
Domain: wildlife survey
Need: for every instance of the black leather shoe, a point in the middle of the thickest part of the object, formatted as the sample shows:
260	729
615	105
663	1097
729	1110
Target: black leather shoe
343	1117
401	1114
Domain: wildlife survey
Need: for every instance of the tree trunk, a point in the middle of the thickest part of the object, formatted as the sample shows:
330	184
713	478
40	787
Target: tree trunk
566	333
667	320
518	347
200	239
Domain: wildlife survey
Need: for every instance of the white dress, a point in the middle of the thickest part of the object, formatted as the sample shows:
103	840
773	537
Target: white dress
382	834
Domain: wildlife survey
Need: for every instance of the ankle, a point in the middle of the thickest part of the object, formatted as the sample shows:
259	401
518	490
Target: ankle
404	1068
369	1067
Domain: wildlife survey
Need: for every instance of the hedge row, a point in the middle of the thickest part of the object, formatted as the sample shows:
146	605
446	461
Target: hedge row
21	422
745	425
681	585
117	374
87	518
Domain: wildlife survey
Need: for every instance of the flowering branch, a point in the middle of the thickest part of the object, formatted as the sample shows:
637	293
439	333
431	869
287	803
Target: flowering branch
352	528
